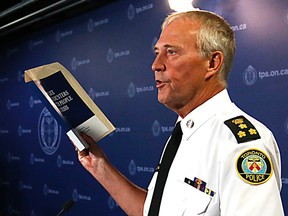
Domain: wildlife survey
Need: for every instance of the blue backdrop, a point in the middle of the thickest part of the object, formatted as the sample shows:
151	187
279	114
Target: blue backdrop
110	52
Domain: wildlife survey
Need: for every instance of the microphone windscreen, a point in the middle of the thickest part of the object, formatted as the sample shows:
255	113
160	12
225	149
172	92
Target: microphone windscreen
68	205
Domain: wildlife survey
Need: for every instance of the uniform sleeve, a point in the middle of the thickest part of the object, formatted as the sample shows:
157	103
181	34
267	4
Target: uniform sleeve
250	175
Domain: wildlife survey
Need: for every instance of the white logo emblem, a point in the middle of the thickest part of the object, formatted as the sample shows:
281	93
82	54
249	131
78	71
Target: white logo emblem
131	12
20	76
250	76
110	55
31	102
111	203
59	161
8	105
58	36
91	93
32	159
286	126
45	189
32	213
131	90
74	64
49	132
20	130
156	128
132	167
75	195
90	25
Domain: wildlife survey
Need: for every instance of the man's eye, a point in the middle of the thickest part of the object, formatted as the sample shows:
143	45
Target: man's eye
170	51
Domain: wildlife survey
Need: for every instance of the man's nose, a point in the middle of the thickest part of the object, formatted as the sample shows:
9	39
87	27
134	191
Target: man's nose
158	64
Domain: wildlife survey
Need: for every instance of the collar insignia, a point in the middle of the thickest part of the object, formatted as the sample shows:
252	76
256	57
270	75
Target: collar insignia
243	130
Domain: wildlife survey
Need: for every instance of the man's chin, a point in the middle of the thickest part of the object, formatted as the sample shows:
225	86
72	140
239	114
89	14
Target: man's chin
164	101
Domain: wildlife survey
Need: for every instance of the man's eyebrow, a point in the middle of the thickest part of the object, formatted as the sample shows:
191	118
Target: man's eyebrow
165	46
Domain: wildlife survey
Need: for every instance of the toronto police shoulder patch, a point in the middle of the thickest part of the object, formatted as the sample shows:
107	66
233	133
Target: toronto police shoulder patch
242	129
254	166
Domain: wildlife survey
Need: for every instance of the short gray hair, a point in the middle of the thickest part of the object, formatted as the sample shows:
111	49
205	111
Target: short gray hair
215	34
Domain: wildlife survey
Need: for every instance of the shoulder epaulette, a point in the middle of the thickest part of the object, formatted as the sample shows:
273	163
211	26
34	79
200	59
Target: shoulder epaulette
243	129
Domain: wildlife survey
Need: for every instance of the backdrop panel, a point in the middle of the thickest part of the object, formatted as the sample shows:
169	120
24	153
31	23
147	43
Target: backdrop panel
110	52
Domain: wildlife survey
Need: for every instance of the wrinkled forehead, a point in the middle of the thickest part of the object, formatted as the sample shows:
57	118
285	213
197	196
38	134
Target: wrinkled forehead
192	20
181	27
178	33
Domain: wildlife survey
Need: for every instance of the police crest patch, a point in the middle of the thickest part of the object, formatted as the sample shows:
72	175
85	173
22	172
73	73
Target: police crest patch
254	166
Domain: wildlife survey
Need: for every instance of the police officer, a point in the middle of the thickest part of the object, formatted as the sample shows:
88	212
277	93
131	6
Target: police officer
227	163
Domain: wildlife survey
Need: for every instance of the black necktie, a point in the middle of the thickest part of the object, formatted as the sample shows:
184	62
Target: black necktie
166	162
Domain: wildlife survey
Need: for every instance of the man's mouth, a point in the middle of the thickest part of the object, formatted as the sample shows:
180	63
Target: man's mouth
160	83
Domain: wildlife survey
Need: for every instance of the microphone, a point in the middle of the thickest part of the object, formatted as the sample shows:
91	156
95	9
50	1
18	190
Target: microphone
68	204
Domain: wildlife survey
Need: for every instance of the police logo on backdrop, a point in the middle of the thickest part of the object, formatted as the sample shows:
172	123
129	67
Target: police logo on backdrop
131	90
8	105
132	167
11	104
11	51
75	195
74	64
32	159
286	126
90	25
91	93
9	157
131	12
111	203
93	24
32	213
20	130
58	36
45	190
254	167
156	129
250	76
110	56
49	132
59	161
31	102
20	76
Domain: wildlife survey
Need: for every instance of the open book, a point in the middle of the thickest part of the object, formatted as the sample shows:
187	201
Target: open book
69	101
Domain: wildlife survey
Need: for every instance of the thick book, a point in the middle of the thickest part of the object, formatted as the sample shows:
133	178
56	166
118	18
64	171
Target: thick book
68	102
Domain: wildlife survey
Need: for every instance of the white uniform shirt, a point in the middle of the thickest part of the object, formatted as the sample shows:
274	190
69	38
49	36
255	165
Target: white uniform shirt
210	155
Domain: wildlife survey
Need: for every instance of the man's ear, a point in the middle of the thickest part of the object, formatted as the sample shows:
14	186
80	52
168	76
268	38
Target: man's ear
215	63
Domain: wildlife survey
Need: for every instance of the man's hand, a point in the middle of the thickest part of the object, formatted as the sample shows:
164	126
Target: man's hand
93	158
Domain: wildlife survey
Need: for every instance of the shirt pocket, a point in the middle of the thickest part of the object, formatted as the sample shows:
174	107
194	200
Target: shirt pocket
195	201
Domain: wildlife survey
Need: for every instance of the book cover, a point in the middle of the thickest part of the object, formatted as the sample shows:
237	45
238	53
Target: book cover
72	104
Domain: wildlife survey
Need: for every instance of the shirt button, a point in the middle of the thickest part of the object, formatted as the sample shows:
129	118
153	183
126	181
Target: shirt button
190	123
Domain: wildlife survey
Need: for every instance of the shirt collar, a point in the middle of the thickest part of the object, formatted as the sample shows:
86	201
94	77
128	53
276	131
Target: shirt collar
217	104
